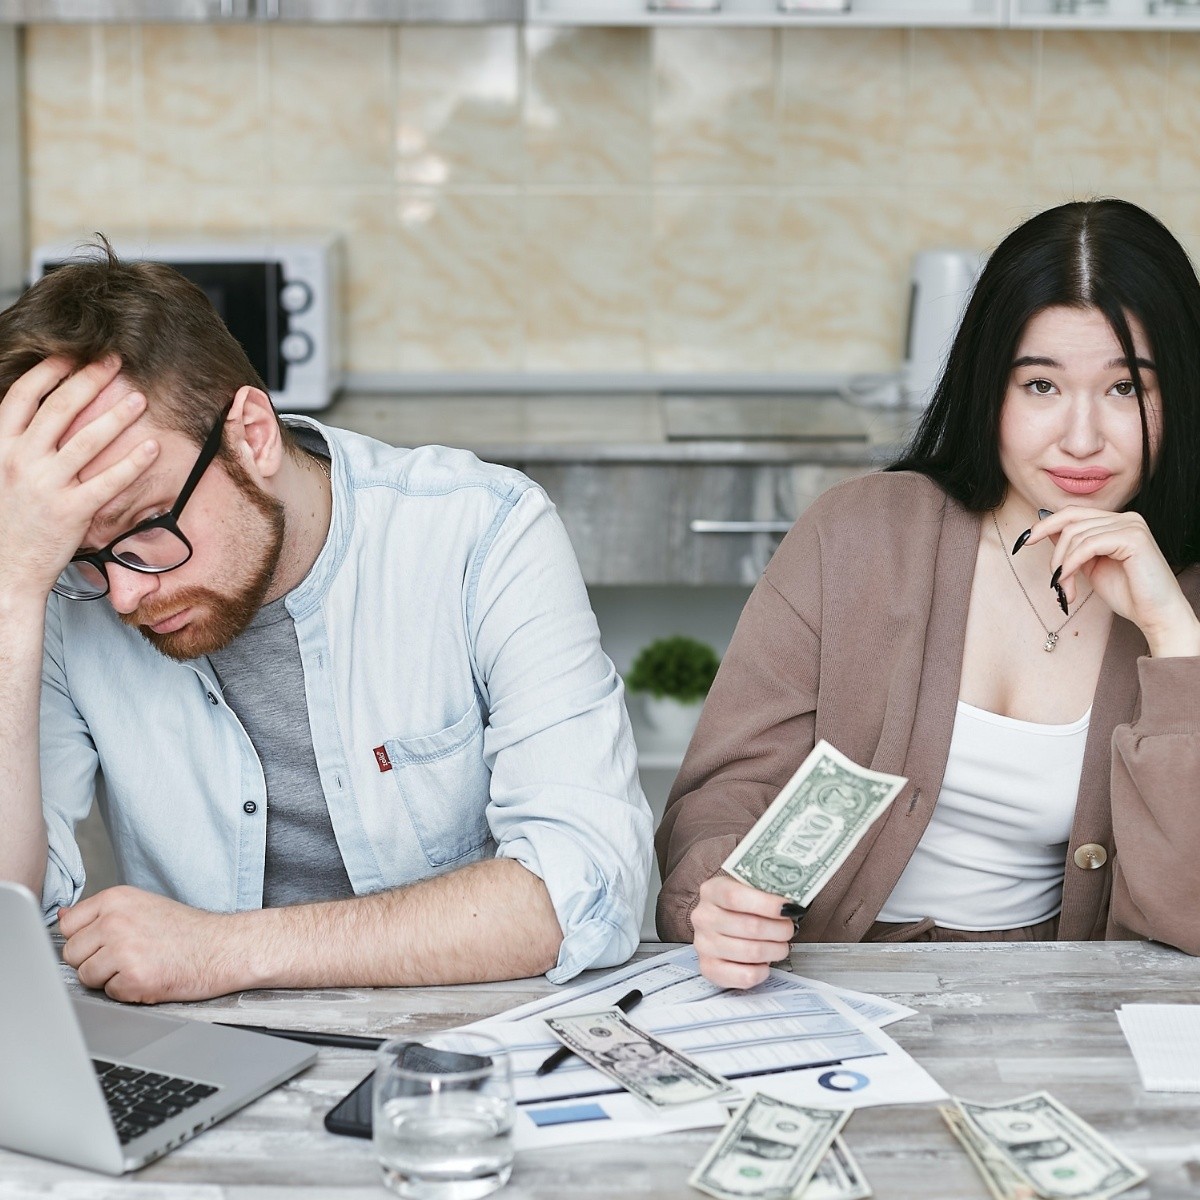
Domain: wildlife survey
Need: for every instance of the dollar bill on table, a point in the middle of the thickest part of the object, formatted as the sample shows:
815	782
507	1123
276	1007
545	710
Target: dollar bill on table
1053	1151
837	1177
769	1150
640	1063
998	1176
812	825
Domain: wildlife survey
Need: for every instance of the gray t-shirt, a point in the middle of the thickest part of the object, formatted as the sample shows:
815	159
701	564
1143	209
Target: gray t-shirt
263	680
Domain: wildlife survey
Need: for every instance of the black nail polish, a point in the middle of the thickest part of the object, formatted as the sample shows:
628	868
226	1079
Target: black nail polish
1043	513
1062	600
1054	578
793	910
1021	540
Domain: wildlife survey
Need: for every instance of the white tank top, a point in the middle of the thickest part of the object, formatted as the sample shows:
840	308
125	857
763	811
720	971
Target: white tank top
992	854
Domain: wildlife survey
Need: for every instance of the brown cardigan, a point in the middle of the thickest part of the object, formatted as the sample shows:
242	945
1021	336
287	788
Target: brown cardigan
855	634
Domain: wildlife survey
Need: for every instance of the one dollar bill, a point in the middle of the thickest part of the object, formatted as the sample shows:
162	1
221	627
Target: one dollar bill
837	1177
812	825
1057	1154
640	1063
998	1176
770	1148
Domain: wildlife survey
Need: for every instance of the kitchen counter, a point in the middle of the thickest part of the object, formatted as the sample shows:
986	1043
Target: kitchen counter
648	428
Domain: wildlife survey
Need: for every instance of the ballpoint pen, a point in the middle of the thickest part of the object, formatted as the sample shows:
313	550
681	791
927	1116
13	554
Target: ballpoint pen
626	1002
348	1041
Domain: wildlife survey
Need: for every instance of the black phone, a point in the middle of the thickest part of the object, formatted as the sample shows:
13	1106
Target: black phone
351	1115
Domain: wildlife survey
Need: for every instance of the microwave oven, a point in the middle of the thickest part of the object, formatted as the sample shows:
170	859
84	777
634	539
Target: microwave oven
278	298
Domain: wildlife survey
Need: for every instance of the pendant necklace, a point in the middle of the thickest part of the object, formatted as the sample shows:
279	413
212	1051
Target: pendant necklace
1051	634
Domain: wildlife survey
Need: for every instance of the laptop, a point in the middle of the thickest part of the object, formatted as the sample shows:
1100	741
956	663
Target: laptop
105	1086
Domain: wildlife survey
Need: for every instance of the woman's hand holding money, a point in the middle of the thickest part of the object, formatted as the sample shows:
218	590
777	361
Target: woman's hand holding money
739	932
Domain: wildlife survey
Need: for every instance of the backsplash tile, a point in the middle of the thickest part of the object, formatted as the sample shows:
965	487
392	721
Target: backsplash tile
587	106
554	199
323	129
716	278
840	124
970	114
1102	110
460	281
833	307
83	133
203	104
714	106
1179	147
458	118
588	281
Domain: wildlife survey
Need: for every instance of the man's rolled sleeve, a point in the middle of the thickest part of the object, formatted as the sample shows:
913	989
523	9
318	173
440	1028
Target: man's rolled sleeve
68	770
600	915
565	800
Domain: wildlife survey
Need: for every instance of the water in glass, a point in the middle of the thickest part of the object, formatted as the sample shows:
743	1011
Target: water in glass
448	1145
443	1114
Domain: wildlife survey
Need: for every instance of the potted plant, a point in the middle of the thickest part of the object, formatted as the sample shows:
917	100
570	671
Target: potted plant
673	675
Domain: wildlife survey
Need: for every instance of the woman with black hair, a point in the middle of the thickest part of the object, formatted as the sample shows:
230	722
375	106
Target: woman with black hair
1007	617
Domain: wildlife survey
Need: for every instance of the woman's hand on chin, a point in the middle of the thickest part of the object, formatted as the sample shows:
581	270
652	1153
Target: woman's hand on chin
738	932
1117	554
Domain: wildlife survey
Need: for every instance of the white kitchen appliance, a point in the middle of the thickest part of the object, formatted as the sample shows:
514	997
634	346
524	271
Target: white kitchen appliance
278	298
940	285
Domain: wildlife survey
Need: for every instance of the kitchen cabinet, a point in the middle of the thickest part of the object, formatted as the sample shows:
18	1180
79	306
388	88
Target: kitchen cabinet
862	13
680	523
1105	14
421	11
340	11
32	12
1027	14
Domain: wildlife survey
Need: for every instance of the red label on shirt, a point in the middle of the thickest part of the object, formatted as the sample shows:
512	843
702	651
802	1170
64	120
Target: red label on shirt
381	757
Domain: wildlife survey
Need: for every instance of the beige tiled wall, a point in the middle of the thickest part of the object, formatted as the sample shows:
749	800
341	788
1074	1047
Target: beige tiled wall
600	199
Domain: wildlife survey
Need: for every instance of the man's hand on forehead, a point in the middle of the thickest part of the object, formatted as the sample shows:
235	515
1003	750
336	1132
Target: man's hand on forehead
113	391
61	461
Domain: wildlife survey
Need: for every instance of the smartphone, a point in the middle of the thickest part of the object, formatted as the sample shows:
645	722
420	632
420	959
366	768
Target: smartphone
351	1115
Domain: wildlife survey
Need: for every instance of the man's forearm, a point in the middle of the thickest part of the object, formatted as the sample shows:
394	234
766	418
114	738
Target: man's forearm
23	843
491	920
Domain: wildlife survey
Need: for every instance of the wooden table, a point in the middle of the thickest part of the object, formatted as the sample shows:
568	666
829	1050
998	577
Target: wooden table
994	1021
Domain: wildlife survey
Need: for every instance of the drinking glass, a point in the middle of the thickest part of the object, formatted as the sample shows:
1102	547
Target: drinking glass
443	1114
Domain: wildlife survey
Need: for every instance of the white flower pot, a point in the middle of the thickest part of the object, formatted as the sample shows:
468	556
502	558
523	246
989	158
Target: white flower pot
672	720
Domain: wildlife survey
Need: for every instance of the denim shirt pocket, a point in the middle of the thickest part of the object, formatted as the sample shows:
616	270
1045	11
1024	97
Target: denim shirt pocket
443	783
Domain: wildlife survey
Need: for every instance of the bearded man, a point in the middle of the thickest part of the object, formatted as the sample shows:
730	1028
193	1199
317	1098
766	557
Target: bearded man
344	706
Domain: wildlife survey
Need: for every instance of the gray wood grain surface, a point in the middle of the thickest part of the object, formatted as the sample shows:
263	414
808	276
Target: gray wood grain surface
993	1021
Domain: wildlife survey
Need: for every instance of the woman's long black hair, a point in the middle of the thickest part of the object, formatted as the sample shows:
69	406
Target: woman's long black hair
1104	254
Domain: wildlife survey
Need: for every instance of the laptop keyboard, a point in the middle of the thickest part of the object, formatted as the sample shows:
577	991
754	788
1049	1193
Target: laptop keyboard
140	1100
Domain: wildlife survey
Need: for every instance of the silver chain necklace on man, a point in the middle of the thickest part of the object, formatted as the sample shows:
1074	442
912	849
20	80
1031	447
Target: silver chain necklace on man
1051	634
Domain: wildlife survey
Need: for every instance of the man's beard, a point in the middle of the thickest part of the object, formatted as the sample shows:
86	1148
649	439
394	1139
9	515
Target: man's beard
261	529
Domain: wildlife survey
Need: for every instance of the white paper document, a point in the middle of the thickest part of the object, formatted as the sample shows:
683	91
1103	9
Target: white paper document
791	1038
674	978
1165	1040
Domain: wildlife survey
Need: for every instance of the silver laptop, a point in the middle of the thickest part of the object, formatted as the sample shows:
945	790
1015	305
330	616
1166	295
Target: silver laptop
104	1086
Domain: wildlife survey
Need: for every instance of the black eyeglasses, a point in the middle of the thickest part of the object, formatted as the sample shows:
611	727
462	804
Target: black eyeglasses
152	547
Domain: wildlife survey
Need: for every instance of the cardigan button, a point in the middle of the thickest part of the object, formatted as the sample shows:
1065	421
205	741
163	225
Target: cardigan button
1090	856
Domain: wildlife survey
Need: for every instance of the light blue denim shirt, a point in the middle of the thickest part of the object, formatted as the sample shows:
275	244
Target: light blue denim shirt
460	705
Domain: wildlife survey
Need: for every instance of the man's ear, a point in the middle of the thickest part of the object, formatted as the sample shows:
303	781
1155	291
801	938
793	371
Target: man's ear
253	429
